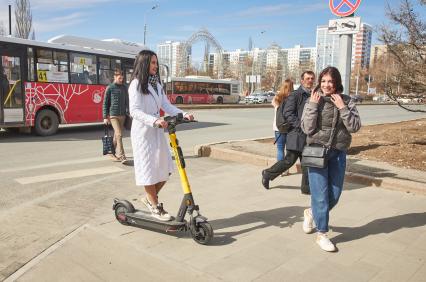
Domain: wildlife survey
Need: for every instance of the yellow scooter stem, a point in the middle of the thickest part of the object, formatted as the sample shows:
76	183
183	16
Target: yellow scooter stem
179	163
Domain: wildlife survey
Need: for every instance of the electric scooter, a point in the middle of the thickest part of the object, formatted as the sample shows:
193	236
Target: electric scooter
198	226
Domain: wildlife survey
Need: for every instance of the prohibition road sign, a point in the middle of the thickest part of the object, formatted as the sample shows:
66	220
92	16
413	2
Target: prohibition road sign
343	8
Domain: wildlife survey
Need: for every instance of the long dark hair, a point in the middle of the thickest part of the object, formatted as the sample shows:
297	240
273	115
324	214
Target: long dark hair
141	69
335	76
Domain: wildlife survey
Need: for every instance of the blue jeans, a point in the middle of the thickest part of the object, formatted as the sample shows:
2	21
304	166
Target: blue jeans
280	145
326	186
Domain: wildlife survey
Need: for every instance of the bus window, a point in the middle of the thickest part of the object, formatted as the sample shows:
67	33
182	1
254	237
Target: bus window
83	68
10	79
105	72
107	67
52	66
30	54
222	89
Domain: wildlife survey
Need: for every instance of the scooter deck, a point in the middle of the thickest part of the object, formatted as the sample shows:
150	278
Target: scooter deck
145	219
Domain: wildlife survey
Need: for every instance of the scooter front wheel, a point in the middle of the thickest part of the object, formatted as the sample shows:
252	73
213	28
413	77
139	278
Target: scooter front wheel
202	233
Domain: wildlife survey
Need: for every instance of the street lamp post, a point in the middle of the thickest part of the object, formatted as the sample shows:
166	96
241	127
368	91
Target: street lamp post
144	19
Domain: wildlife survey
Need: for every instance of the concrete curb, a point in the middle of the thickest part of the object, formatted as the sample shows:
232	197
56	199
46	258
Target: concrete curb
242	106
215	152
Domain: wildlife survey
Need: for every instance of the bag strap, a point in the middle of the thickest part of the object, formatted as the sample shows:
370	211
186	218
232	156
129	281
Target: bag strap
276	139
333	128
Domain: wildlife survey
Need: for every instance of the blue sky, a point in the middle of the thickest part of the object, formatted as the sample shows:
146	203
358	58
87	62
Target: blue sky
232	22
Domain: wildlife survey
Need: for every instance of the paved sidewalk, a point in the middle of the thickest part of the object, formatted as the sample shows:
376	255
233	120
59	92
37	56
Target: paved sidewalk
381	236
262	152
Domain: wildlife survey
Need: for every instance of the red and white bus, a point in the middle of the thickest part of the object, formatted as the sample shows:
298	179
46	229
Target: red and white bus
43	85
203	90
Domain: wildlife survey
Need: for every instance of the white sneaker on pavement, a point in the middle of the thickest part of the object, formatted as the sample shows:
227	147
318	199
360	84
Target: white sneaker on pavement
160	214
308	221
325	243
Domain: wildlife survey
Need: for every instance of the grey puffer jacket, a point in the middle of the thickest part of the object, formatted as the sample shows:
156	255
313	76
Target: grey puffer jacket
317	122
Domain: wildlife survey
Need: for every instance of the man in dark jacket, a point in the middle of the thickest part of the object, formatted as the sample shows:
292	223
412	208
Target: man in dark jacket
115	108
296	139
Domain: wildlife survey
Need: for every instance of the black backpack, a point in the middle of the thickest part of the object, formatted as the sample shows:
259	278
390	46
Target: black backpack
280	120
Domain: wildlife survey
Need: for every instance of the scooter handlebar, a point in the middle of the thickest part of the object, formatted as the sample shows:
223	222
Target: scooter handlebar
178	119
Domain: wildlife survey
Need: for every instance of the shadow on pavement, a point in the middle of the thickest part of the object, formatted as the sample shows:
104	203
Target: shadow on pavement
280	217
378	226
85	132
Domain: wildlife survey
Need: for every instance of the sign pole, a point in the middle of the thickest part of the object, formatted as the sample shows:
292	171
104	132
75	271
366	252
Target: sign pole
345	57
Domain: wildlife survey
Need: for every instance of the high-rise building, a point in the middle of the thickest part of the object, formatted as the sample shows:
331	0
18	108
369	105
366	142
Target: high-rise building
377	51
361	47
327	46
170	53
300	59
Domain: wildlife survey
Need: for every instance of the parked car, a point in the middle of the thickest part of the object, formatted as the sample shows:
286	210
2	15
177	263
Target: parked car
251	98
264	98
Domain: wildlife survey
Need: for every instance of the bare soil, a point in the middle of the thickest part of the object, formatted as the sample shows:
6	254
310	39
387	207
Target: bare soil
402	144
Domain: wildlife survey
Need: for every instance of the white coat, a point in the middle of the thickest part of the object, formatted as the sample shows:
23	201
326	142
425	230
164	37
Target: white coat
152	160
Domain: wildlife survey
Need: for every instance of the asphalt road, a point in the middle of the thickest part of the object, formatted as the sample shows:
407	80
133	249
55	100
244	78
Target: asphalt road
52	185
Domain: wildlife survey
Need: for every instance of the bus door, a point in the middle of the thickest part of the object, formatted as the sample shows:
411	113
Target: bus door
11	84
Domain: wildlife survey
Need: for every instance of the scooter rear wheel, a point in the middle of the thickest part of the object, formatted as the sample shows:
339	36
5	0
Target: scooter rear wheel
202	233
120	214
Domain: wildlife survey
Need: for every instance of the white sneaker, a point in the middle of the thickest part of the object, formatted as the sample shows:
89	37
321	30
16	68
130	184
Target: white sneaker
308	221
160	214
146	202
325	243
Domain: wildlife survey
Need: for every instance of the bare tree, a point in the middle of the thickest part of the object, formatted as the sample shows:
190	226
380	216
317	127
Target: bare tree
406	45
2	30
24	18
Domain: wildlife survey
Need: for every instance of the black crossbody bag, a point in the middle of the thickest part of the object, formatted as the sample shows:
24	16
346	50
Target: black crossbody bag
316	155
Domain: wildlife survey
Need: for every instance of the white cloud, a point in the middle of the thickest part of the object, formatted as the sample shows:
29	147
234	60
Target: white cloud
186	13
281	9
59	23
64	4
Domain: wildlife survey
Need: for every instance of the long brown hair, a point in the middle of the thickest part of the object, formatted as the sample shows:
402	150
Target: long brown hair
285	90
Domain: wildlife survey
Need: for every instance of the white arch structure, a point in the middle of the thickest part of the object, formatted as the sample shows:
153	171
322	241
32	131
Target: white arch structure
205	35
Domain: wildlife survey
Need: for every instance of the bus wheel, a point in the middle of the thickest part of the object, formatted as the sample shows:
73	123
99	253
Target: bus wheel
219	100
46	123
179	100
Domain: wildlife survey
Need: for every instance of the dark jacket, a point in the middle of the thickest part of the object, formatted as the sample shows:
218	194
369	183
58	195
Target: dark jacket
293	110
318	119
4	86
116	100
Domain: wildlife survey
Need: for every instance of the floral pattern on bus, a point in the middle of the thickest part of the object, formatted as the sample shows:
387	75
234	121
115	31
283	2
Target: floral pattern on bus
75	103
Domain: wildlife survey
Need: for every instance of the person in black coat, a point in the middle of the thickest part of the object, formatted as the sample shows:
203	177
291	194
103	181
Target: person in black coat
296	139
4	89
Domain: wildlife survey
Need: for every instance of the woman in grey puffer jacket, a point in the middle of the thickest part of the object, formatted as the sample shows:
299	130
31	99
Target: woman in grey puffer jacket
328	108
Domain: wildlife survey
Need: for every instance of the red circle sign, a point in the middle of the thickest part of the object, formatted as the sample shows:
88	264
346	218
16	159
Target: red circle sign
343	8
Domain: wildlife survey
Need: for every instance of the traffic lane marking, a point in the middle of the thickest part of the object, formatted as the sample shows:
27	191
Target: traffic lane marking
69	175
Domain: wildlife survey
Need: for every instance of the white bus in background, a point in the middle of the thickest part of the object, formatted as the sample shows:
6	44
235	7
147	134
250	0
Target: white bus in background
203	90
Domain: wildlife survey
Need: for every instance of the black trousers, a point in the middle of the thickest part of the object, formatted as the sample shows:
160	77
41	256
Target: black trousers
281	166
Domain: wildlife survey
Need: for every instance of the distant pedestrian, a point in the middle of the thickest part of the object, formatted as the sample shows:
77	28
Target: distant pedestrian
4	89
115	108
153	161
296	139
280	99
328	115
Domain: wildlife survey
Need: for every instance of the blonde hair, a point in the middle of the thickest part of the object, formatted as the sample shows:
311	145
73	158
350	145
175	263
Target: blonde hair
285	90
